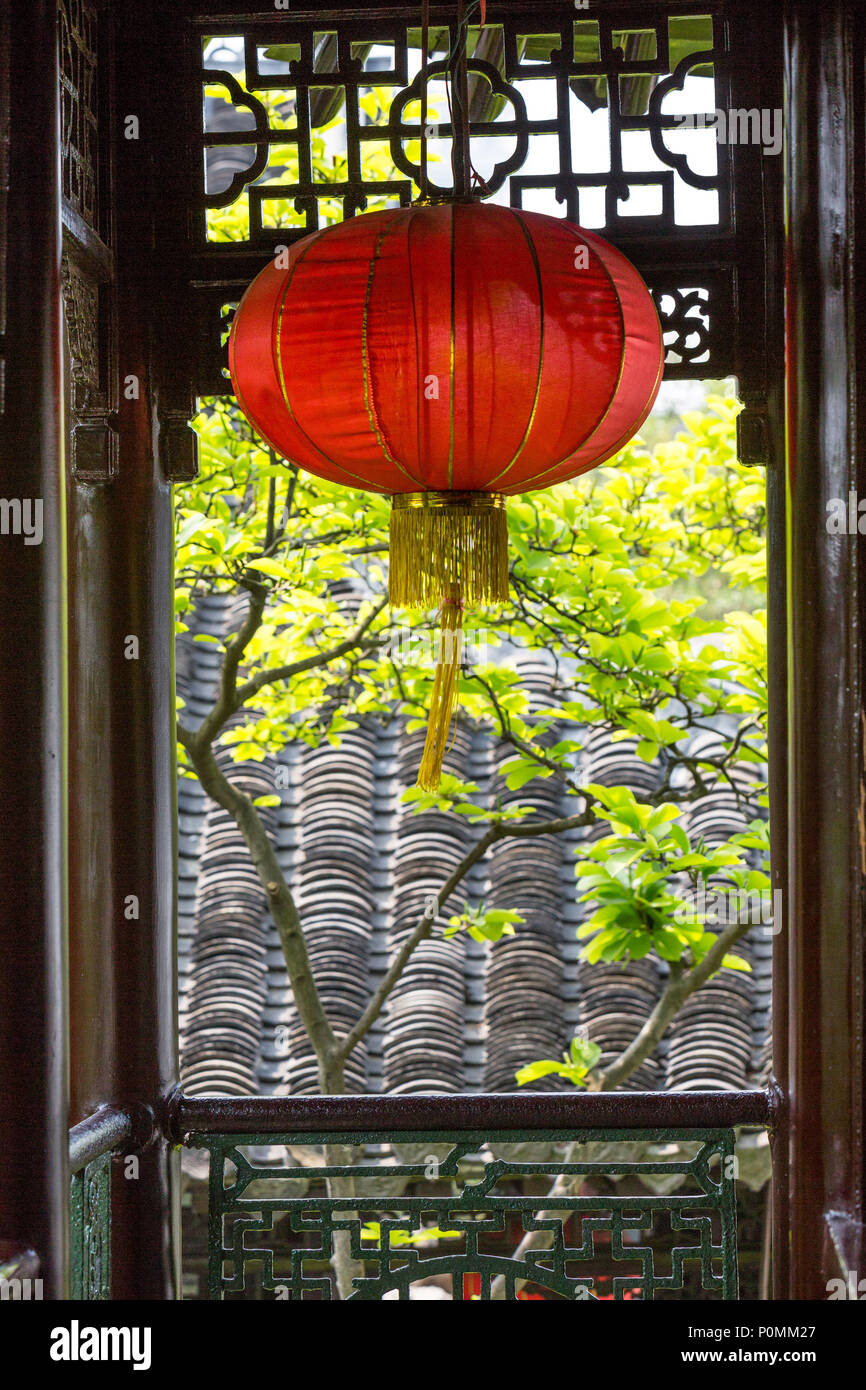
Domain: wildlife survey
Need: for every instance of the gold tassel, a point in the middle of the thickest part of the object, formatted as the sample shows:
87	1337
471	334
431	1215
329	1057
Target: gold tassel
444	696
439	539
448	549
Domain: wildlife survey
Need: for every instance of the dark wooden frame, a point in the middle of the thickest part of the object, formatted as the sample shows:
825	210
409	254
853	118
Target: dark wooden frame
33	1084
819	1000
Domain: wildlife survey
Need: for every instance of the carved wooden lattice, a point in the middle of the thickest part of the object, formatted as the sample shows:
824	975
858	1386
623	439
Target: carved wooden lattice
78	109
87	261
602	116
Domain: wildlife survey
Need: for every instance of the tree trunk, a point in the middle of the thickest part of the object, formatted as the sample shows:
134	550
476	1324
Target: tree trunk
346	1269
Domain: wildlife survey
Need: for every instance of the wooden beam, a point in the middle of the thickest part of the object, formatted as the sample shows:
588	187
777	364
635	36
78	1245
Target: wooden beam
33	1102
826	459
122	751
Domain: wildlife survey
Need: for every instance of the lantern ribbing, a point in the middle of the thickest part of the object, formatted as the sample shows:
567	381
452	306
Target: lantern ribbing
448	356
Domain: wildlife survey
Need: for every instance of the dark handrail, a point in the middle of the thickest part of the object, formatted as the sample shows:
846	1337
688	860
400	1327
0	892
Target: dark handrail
99	1134
523	1111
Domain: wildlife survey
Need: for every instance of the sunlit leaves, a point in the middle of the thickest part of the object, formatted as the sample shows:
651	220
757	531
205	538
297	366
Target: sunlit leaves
575	1066
630	876
371	1231
484	924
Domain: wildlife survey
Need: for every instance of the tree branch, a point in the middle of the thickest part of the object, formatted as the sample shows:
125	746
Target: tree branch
521	829
309	663
520	744
280	900
681	984
199	746
424	926
419	933
227	702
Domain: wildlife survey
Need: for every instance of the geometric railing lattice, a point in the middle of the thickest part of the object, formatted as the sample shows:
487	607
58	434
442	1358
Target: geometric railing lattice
93	1144
90	1231
447	1212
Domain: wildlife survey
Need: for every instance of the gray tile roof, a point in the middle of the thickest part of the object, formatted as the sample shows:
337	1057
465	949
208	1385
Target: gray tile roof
360	863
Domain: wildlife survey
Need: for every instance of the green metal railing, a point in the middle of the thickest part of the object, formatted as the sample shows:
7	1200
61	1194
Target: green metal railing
489	1195
624	1196
572	1202
91	1147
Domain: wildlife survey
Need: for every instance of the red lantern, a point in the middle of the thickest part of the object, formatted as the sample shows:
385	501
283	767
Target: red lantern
447	355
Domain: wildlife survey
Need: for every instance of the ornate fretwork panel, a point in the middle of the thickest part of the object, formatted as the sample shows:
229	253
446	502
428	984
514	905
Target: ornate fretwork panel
605	115
627	1214
88	263
90	1231
78	107
596	121
81	298
92	437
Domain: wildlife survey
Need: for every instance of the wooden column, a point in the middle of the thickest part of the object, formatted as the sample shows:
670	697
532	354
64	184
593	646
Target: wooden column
33	1055
122	785
822	1011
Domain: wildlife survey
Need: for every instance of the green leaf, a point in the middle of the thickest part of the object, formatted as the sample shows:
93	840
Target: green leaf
732	962
680	838
536	1070
272	568
194	523
520	776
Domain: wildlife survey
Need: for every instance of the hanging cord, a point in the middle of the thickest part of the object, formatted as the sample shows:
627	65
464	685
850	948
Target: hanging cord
423	185
465	174
460	87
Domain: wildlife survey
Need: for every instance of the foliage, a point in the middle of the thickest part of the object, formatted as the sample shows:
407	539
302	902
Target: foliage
629	875
592	570
575	1066
372	1231
490	925
604	575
